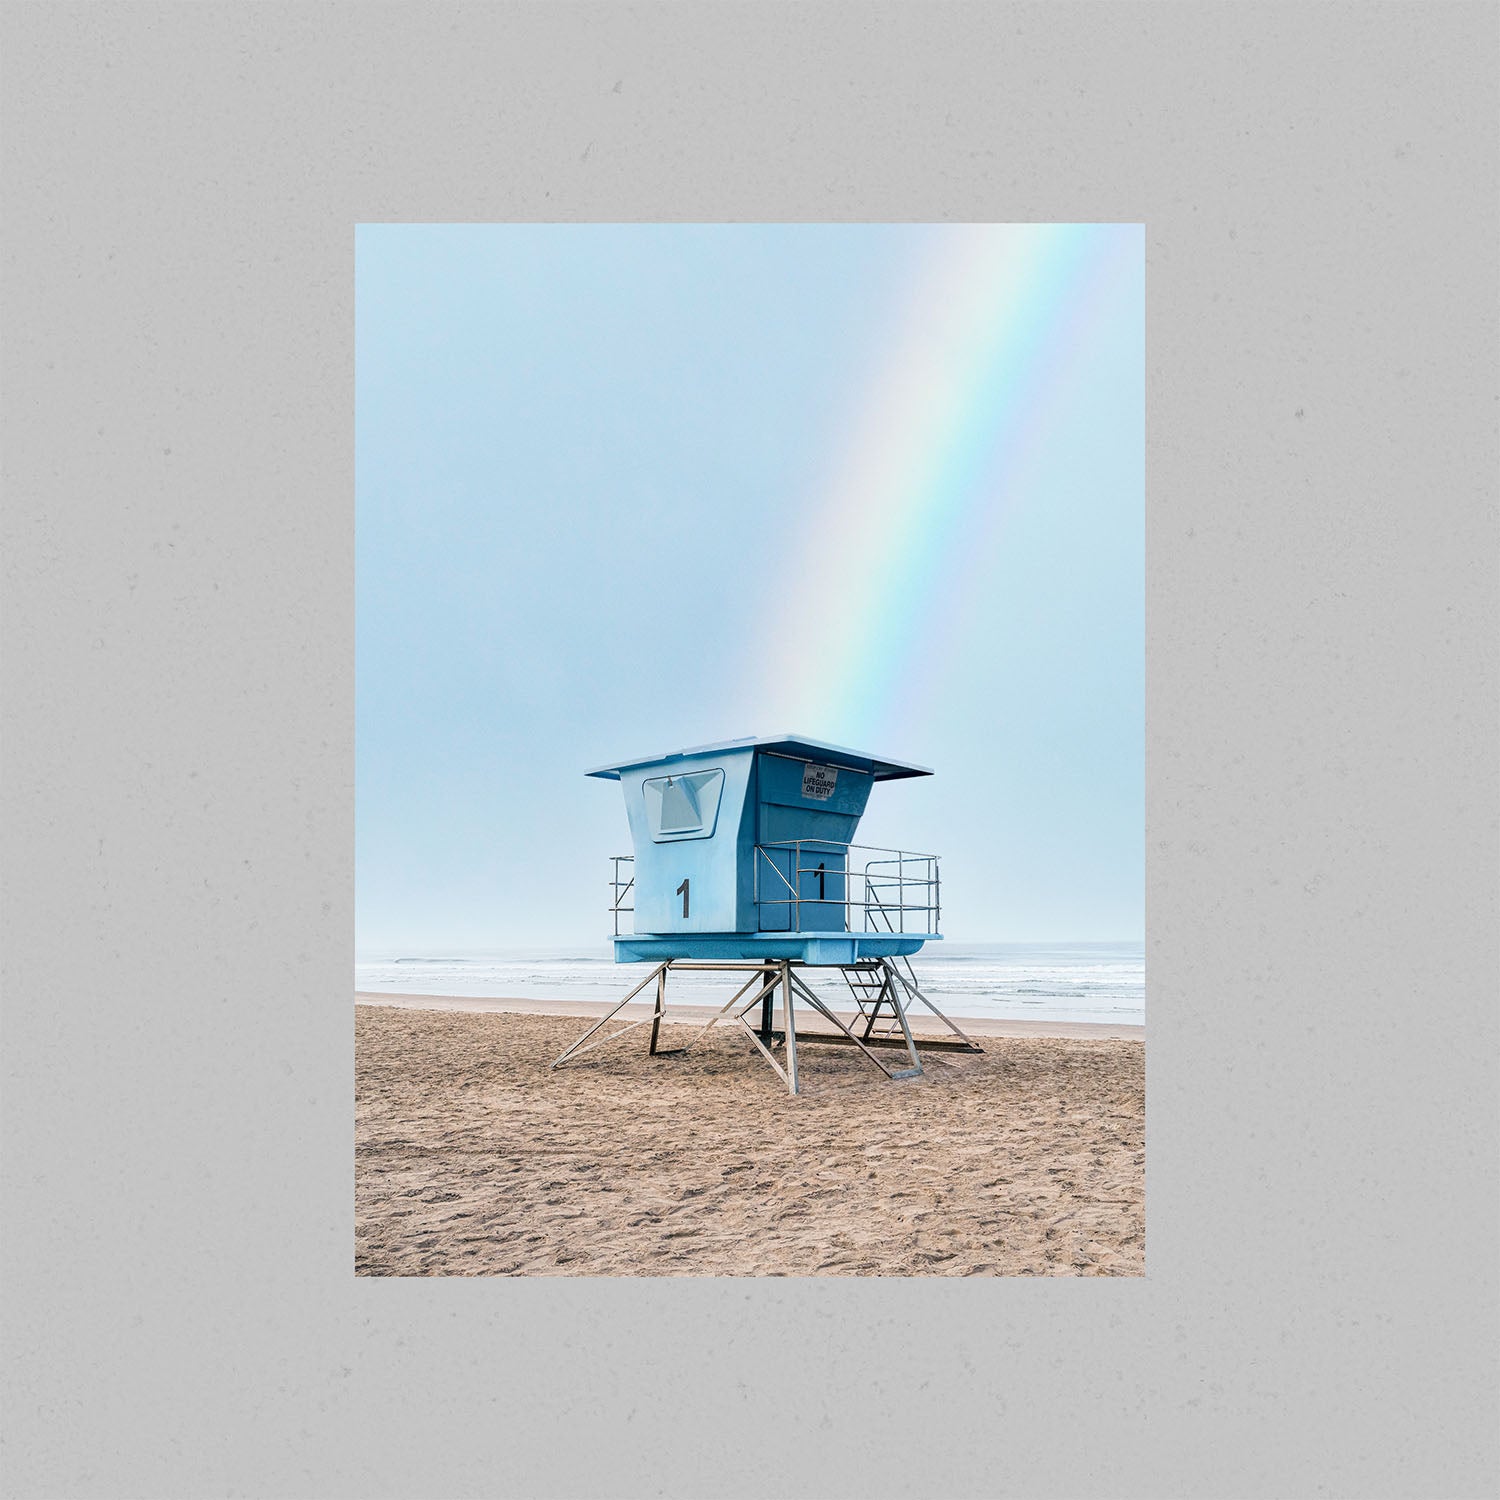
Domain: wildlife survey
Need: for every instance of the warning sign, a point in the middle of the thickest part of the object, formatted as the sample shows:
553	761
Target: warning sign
818	782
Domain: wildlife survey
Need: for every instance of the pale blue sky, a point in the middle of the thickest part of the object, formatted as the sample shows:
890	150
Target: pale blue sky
598	468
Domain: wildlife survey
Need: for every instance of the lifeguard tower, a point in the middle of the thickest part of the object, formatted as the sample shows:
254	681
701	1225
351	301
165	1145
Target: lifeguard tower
744	861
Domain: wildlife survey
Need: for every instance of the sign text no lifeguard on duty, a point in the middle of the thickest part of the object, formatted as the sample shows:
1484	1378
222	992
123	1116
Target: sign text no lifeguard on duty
818	782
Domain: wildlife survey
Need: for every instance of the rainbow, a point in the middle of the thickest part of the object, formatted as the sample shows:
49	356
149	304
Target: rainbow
958	401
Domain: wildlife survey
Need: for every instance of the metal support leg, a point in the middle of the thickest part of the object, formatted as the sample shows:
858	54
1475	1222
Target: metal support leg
909	984
791	1024
765	1051
911	1047
765	978
609	1016
661	1005
816	1002
788	1074
759	977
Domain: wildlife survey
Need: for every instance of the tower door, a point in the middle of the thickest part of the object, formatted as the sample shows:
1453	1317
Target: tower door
816	873
821	882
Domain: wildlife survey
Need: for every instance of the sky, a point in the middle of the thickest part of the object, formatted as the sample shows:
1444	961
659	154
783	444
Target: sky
624	489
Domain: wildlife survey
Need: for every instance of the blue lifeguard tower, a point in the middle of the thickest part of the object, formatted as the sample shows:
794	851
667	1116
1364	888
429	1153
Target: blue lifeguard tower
744	861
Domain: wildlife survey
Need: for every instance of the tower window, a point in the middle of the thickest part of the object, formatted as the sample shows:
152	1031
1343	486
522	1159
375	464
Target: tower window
683	807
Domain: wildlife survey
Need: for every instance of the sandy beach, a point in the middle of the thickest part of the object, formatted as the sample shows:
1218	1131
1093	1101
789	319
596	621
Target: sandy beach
473	1158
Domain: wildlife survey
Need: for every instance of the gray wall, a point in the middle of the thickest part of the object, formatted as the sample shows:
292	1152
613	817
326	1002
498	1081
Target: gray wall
1318	186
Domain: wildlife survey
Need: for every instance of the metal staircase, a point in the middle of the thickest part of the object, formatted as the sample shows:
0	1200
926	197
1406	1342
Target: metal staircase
883	990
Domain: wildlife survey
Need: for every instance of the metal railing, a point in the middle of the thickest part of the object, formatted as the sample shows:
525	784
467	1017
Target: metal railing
619	889
898	892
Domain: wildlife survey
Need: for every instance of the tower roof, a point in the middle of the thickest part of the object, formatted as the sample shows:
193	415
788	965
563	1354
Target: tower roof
795	745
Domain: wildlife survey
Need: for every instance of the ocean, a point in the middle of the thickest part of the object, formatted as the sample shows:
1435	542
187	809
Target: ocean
1103	982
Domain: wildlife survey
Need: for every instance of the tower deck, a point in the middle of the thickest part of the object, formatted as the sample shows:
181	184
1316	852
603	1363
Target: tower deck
815	949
